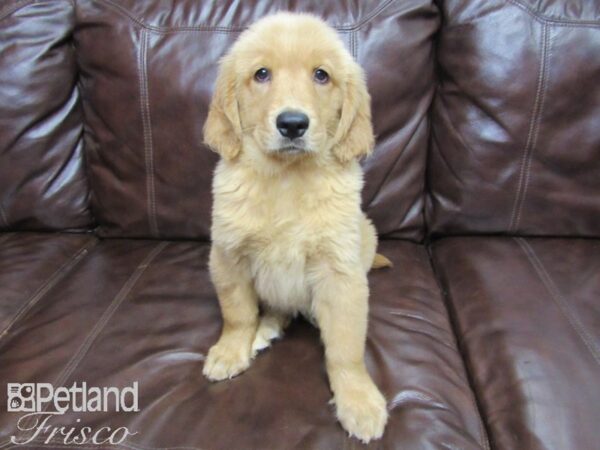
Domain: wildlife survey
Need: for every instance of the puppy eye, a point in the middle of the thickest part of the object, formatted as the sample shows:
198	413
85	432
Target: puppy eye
262	75
321	76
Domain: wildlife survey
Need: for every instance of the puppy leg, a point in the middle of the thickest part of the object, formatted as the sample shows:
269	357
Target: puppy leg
370	259
368	242
232	354
341	308
271	326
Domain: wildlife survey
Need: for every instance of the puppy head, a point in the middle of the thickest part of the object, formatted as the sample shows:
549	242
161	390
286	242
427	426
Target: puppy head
288	89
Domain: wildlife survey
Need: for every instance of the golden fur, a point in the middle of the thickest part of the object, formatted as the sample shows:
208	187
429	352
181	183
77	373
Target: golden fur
288	233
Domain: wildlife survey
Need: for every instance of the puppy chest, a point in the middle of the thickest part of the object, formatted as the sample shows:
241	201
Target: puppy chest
279	275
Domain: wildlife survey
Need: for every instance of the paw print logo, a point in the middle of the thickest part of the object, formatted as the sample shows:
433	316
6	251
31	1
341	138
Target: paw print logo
20	397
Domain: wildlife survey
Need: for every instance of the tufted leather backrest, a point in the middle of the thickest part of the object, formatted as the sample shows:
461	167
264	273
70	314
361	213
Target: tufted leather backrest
147	74
42	179
513	137
516	122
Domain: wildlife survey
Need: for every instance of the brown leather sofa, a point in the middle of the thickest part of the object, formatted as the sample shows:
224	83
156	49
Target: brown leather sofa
484	186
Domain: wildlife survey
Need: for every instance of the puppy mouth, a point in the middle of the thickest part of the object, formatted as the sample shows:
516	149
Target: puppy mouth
292	147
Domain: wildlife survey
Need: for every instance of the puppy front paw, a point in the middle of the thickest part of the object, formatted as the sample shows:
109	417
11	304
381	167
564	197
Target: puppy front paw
362	411
225	361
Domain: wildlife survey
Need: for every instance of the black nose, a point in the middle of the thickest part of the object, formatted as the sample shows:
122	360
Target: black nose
292	124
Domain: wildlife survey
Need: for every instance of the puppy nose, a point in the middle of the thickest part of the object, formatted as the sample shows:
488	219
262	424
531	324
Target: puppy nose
292	124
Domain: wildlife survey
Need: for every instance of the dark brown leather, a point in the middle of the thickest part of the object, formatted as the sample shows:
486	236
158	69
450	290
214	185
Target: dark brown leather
146	311
515	142
147	73
42	180
528	321
515	148
30	265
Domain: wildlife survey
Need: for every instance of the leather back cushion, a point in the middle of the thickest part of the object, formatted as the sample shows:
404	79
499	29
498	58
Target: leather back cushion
42	179
516	124
147	73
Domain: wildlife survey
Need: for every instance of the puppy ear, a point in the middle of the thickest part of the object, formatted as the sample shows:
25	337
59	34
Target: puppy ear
222	129
354	136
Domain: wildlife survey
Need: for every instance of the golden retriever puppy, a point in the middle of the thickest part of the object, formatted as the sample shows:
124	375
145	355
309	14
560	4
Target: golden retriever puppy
290	117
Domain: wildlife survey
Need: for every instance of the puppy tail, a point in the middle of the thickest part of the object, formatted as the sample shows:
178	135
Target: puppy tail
380	261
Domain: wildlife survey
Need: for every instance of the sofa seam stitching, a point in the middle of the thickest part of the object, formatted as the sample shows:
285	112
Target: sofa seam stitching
542	20
559	300
555	21
530	142
107	314
147	133
48	284
548	54
374	14
230	29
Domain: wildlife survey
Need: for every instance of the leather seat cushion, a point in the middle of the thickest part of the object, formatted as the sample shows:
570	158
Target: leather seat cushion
145	311
528	321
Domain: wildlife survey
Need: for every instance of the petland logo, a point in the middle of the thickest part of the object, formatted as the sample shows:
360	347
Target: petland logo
41	402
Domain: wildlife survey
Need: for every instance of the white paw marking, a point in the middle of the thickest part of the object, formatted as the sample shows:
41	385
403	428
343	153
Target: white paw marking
269	329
